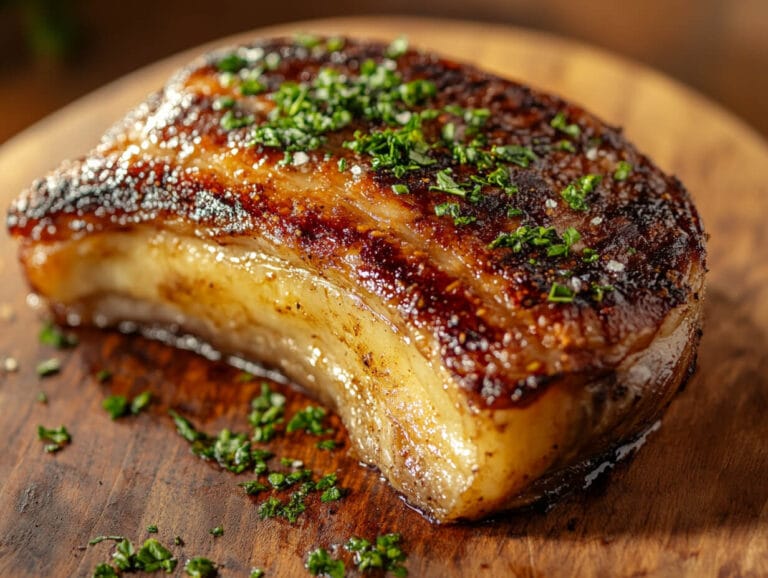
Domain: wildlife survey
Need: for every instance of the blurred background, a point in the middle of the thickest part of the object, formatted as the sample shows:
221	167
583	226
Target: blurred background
52	51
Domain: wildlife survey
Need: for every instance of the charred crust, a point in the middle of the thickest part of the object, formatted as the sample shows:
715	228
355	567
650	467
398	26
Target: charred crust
649	212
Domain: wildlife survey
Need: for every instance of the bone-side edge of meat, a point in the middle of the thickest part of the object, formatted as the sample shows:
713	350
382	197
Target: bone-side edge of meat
453	371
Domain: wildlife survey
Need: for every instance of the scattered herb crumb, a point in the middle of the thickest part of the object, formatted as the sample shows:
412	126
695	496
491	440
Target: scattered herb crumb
54	336
328	445
200	568
178	541
104	375
320	563
386	554
217	531
42	397
310	420
256	573
48	367
58	437
152	529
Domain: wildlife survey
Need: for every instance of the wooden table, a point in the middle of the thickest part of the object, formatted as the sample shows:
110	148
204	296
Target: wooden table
693	502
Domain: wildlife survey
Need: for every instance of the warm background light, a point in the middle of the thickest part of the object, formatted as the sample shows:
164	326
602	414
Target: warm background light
52	51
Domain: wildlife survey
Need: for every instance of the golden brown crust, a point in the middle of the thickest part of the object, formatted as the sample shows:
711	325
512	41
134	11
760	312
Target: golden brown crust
485	310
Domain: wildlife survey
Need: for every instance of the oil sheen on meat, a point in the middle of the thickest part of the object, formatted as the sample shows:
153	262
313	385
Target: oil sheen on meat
487	283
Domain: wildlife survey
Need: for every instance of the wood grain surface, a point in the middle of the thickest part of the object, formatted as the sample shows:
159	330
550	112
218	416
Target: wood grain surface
692	502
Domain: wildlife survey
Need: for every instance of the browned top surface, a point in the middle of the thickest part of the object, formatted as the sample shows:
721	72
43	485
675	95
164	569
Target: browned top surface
692	503
172	162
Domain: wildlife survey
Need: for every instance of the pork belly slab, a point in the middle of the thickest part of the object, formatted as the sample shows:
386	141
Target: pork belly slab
488	284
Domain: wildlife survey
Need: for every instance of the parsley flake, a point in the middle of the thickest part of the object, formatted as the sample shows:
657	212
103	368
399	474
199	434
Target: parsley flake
59	437
48	367
560	294
623	170
54	336
200	568
575	193
559	122
320	562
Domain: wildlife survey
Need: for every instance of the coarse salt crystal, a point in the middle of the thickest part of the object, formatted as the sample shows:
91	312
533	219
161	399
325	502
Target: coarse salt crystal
614	266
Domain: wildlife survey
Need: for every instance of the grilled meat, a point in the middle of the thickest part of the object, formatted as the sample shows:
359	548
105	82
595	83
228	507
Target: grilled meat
488	284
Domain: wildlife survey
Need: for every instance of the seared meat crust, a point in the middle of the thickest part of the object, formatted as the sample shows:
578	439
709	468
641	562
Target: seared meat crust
483	314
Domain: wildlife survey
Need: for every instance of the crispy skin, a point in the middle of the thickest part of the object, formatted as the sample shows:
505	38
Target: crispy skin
526	389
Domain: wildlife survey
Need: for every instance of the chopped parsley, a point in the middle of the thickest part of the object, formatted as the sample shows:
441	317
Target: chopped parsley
386	554
519	155
58	438
105	571
52	335
42	397
267	411
320	563
446	184
231	63
453	210
152	529
310	420
623	170
575	193
332	494
232	121
543	238
253	487
48	367
217	531
397	47
400	189
117	406
328	445
200	568
560	294
559	122
103	375
256	573
151	557
223	102
598	291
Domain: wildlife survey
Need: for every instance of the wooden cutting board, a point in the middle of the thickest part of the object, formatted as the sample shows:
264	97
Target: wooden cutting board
693	502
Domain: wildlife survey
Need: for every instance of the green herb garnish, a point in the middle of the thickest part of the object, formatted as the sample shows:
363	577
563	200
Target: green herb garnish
104	571
328	445
231	63
560	294
575	193
59	437
223	102
310	420
253	487
386	555
217	531
52	335
559	122
397	47
231	121
103	375
519	155
256	573
320	563
446	184
42	397
623	170
400	189
152	529
48	367
453	210
116	406
267	411
200	568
